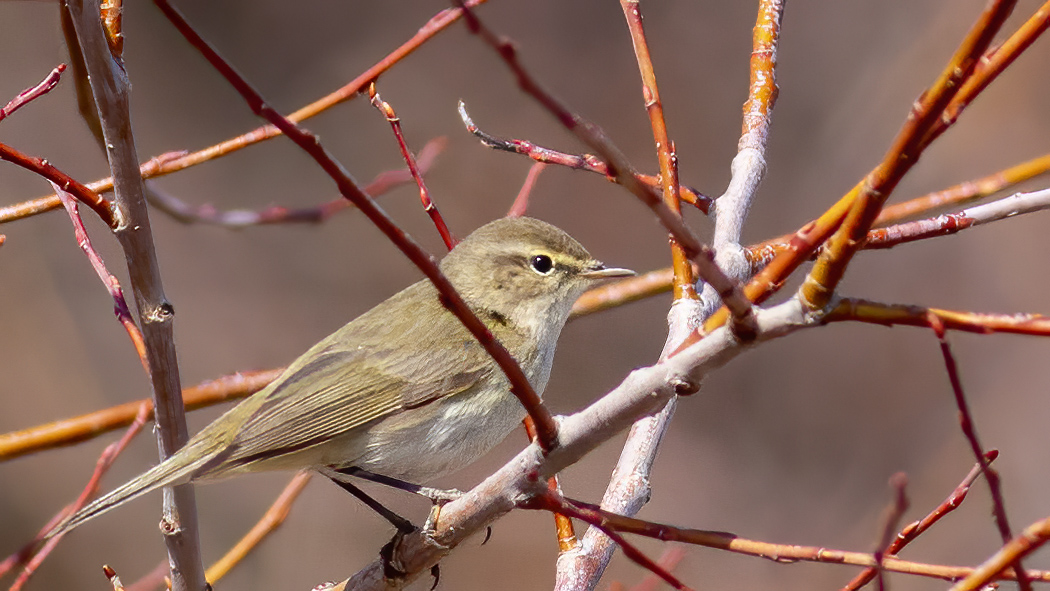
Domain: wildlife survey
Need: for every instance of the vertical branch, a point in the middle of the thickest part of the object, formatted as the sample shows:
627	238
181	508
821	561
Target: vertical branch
109	85
683	271
991	475
749	164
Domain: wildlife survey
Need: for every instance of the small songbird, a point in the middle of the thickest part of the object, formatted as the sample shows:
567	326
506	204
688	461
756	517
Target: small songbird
403	391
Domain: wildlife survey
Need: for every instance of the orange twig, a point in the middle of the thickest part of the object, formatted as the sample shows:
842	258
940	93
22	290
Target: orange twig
683	272
271	520
521	201
77	429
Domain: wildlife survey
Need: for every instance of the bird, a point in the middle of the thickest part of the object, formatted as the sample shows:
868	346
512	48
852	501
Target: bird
404	392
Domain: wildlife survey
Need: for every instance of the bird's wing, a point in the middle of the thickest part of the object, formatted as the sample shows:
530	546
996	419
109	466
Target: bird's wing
351	379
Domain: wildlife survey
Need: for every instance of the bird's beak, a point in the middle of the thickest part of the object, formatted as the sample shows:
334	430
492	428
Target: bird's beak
600	271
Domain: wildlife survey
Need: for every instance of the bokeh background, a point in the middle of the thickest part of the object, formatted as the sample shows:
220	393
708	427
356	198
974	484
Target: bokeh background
793	442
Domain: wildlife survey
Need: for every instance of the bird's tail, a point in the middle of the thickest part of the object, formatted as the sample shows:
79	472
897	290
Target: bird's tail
175	470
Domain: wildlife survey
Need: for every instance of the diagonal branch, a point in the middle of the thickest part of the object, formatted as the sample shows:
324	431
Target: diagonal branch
546	428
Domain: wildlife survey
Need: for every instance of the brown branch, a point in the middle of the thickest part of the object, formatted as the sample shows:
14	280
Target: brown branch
110	88
916	528
82	428
271	520
239	218
991	64
562	524
29	94
585	162
105	461
432	27
424	195
520	386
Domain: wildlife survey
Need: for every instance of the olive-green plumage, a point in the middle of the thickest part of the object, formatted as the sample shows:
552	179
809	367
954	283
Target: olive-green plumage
404	390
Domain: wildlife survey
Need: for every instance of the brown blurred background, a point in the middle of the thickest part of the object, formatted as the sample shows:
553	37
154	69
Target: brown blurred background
792	443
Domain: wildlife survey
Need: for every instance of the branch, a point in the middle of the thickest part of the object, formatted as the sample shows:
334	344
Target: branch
239	218
520	386
424	195
271	520
432	27
82	428
109	85
29	94
916	528
585	162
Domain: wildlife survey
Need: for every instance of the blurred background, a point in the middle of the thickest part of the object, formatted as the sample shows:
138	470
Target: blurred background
793	442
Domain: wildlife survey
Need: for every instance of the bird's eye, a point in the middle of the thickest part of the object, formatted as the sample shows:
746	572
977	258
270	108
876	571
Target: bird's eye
542	264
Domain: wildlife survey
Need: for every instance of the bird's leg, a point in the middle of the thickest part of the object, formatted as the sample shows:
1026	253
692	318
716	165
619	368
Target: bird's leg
438	496
403	525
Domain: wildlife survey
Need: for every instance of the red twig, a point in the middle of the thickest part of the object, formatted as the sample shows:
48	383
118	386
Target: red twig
120	305
29	94
970	431
424	195
585	162
584	512
546	427
891	517
101	467
521	202
916	528
100	205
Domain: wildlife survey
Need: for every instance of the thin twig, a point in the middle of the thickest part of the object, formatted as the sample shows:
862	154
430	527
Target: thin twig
432	27
890	518
276	214
120	305
109	455
84	427
916	528
585	162
991	475
424	195
29	94
521	201
100	205
520	387
861	310
270	521
683	272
